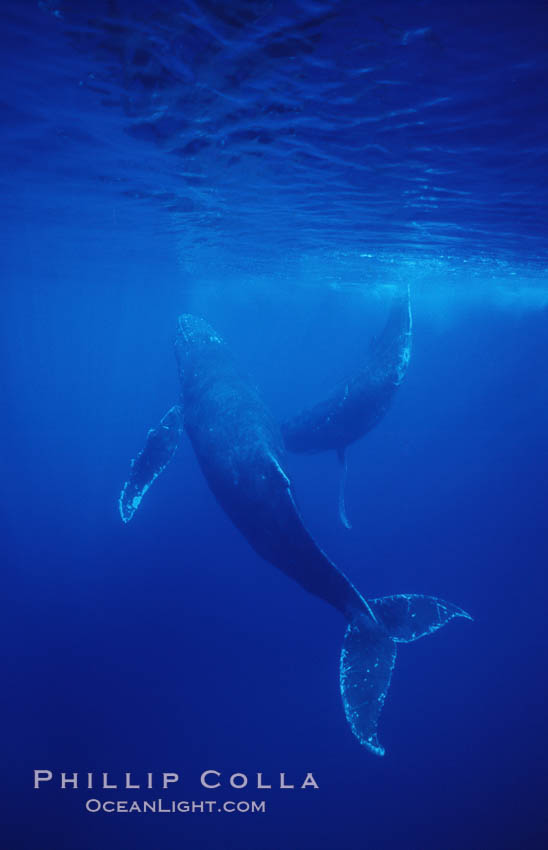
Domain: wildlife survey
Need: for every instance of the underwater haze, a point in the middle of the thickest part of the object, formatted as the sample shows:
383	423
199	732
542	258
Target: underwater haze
282	169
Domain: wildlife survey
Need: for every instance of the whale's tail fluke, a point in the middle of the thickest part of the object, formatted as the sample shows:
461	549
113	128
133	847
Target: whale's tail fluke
369	653
160	446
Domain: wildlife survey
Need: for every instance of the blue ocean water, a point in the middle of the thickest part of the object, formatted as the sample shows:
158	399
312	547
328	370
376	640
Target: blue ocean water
280	168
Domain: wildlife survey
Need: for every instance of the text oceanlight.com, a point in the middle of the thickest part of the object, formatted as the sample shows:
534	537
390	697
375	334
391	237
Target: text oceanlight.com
176	806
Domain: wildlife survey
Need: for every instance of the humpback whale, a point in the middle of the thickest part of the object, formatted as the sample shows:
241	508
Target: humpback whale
240	450
361	400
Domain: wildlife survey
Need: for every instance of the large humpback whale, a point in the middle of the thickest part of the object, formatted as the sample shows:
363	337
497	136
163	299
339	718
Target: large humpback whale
361	400
240	450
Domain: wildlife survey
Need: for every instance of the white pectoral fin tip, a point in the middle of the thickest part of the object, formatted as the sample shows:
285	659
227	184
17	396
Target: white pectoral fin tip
280	471
125	513
374	746
127	506
345	522
343	516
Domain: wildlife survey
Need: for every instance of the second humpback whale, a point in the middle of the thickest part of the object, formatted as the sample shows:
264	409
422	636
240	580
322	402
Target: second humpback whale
361	400
240	450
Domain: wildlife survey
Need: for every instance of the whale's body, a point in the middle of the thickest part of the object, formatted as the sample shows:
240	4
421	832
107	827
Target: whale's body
240	451
361	400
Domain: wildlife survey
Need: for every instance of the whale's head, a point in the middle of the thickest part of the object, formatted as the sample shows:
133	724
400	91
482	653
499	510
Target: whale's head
195	339
193	330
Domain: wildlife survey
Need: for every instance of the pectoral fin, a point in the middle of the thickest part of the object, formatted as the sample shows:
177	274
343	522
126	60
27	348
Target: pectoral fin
343	516
160	446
